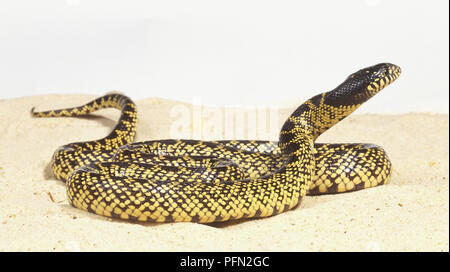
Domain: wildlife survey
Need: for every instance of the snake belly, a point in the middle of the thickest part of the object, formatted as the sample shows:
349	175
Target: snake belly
200	181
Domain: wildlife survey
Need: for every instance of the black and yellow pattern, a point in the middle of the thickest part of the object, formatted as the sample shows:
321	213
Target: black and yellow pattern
187	180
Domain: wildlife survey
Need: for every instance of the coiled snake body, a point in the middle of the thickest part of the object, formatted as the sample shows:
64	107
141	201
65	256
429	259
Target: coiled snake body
187	180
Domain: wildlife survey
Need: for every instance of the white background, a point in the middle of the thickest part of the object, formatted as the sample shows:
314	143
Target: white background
225	52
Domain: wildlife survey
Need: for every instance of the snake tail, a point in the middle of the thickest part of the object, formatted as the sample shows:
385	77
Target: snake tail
68	157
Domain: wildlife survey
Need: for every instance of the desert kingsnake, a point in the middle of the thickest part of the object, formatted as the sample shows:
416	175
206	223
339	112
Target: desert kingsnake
187	180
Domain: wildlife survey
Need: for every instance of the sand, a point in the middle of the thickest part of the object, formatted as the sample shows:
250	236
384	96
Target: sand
409	214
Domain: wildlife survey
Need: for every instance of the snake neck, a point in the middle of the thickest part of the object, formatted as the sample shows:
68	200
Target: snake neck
323	111
320	113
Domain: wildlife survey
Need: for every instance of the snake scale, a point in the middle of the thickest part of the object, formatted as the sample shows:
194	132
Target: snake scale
199	181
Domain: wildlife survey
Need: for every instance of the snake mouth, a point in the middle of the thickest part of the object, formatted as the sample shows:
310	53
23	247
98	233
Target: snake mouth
394	70
388	72
383	74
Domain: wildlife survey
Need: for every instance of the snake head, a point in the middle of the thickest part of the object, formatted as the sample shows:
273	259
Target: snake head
364	84
376	77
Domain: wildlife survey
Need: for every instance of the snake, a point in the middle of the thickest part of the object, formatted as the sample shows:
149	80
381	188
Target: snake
177	180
